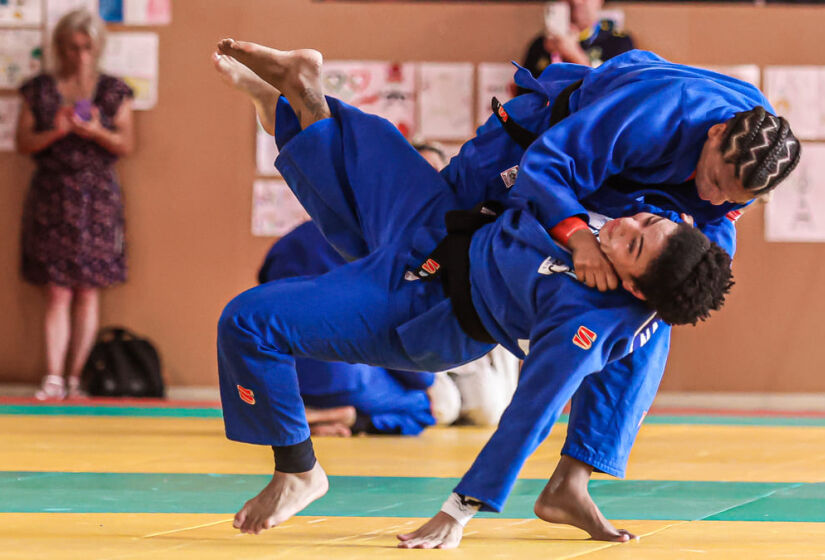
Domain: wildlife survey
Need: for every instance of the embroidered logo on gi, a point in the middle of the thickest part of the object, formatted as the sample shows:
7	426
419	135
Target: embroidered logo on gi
430	267
509	176
246	395
584	338
734	215
551	265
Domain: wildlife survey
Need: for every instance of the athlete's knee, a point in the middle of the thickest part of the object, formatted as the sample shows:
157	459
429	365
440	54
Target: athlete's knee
237	316
253	320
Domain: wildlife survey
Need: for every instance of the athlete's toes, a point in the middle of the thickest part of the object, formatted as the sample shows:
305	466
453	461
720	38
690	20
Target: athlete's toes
626	535
240	517
227	46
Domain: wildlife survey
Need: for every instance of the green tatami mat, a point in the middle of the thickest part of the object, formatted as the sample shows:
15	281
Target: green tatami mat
109	410
214	412
356	496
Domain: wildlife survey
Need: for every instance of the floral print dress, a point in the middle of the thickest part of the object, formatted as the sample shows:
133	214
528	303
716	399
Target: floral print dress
72	231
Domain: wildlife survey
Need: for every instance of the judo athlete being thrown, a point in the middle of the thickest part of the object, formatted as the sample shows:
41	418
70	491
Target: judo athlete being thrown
345	399
682	138
376	200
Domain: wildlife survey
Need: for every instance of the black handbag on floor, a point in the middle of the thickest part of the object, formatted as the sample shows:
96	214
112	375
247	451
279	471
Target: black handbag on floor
121	364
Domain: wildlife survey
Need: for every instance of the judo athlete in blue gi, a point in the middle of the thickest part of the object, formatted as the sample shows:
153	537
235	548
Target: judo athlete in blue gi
376	201
682	138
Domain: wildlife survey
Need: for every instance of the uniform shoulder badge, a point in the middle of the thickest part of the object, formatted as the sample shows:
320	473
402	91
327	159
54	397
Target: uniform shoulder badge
509	176
552	265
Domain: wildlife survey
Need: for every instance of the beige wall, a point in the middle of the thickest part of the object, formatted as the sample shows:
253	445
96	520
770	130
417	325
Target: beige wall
188	186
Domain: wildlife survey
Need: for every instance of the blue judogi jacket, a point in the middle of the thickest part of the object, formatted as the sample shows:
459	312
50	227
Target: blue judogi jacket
636	130
525	290
636	127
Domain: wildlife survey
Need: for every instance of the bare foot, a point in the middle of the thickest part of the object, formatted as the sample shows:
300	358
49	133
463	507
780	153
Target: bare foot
567	504
297	74
442	531
284	496
238	76
330	429
343	414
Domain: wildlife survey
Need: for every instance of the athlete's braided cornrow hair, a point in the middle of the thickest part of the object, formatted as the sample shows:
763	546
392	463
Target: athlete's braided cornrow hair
762	148
688	280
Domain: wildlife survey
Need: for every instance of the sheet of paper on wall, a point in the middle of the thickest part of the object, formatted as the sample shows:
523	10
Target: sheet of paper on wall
9	108
21	55
55	9
386	89
796	92
147	12
746	72
265	151
133	56
26	13
794	212
495	79
275	210
445	100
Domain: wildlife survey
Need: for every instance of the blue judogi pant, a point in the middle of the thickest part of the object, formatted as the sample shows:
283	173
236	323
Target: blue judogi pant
393	401
363	312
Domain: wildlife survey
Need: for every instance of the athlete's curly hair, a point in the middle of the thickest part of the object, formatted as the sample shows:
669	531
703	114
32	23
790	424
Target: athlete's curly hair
688	280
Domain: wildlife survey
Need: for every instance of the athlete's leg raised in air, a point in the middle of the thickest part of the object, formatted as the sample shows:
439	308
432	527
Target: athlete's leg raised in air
296	74
263	96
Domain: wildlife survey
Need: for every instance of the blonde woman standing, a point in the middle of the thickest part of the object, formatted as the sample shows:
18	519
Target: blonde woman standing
75	123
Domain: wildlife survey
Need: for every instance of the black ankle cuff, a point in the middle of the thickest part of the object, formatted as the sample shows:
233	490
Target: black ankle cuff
294	458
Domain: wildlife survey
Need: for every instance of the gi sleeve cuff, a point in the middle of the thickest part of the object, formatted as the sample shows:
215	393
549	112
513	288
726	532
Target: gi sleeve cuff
562	231
461	508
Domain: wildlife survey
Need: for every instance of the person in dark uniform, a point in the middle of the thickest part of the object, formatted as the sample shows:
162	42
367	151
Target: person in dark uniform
590	42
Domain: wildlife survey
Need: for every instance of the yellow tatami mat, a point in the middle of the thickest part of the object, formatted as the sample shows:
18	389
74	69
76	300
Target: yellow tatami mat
92	487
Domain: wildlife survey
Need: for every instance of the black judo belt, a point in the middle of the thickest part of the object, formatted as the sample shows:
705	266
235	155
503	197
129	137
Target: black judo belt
524	137
450	261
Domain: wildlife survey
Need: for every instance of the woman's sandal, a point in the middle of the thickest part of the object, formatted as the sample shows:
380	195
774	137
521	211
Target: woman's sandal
51	388
75	391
